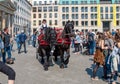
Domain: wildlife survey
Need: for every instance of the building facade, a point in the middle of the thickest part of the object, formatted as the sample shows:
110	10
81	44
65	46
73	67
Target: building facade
22	16
7	10
98	15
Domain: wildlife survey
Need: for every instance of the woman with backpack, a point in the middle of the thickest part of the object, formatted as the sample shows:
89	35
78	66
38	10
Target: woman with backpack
98	56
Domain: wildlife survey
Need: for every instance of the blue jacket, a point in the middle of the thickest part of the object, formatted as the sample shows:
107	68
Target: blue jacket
22	37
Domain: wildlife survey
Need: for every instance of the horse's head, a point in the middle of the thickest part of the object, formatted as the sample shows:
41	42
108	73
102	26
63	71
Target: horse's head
50	35
69	27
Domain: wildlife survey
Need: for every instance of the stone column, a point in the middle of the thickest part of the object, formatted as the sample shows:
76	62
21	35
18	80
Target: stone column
12	24
3	20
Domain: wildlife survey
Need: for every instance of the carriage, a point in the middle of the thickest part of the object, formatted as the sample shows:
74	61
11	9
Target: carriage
55	42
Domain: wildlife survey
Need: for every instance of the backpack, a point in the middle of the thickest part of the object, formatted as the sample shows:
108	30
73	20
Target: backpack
91	37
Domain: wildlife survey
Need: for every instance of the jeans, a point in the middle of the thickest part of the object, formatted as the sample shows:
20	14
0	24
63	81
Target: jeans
24	44
11	46
18	45
8	51
33	43
91	51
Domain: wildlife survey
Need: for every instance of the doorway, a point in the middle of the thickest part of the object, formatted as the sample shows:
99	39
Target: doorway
106	26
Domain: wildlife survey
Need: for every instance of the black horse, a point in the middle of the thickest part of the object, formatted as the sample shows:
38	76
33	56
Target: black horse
45	52
63	49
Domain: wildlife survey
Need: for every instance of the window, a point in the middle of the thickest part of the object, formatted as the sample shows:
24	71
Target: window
86	23
34	15
55	15
35	2
117	22
63	9
39	15
39	22
67	16
45	9
73	16
82	9
111	9
63	23
82	16
82	23
76	16
102	16
56	22
39	9
101	9
55	8
67	2
106	9
86	9
40	2
76	23
67	9
76	9
34	22
50	9
92	16
50	15
63	16
50	22
92	23
117	9
95	23
106	16
95	16
117	15
34	9
111	16
86	16
76	2
45	2
93	9
55	2
45	15
83	2
73	9
63	2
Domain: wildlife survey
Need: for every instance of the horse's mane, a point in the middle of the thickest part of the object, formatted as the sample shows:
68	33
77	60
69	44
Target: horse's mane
67	29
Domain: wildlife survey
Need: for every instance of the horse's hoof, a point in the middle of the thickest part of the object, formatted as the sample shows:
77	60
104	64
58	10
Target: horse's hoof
46	68
62	66
65	66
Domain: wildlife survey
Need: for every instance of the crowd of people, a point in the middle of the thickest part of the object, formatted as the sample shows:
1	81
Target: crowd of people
105	47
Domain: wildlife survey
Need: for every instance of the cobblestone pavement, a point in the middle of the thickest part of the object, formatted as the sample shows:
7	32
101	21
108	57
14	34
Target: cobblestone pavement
30	71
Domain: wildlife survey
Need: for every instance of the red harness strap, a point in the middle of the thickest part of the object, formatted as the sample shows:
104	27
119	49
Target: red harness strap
61	40
41	40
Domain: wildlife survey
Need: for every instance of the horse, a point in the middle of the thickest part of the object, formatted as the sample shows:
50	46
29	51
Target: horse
62	48
46	43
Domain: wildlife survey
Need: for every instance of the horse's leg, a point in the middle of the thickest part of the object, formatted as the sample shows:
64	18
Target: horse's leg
62	59
66	61
45	65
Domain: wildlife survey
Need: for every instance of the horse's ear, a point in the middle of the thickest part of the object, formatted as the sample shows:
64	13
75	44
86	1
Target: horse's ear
72	22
